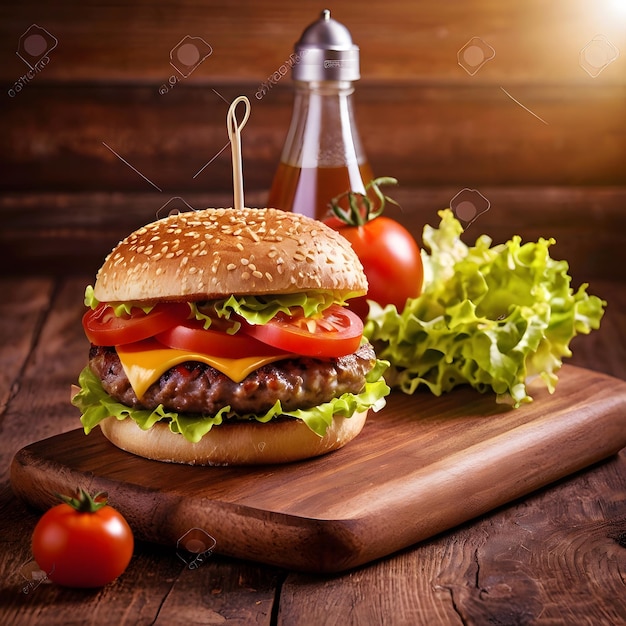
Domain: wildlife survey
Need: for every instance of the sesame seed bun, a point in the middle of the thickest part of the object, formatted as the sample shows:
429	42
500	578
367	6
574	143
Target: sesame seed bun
209	254
244	443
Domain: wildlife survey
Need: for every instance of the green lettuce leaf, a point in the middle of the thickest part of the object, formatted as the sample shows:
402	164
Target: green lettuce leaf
119	308
494	317
261	309
254	309
96	405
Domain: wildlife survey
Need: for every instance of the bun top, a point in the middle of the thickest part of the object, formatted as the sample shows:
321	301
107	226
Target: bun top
210	254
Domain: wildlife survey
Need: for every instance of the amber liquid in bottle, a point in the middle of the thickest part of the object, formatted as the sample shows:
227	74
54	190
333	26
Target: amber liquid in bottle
322	157
309	190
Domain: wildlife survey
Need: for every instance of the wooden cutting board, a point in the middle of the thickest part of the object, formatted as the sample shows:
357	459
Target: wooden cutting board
421	466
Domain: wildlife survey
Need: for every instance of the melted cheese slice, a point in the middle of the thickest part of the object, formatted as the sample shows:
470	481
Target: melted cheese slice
146	361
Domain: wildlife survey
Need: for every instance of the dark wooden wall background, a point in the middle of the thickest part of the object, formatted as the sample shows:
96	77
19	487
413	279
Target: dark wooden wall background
554	168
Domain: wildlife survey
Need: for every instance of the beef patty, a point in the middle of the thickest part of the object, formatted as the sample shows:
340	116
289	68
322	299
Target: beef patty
192	387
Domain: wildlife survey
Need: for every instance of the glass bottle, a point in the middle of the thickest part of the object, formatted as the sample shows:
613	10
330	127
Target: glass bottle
322	156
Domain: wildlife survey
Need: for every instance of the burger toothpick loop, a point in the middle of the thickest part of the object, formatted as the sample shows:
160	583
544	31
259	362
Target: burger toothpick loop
234	133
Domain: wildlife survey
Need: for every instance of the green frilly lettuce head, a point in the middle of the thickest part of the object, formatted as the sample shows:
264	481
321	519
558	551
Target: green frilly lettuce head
490	316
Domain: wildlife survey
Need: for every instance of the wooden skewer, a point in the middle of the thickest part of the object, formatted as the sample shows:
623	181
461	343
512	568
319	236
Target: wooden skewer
234	133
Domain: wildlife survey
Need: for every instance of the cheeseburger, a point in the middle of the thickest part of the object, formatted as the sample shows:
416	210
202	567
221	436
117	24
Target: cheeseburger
221	337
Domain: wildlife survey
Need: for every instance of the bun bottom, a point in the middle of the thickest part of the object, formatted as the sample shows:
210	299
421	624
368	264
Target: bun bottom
247	443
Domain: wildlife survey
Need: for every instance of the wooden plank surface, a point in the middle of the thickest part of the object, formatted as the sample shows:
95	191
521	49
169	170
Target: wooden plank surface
522	564
531	115
77	137
421	466
533	41
70	233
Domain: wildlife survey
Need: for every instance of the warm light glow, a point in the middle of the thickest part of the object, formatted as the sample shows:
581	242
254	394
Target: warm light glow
618	7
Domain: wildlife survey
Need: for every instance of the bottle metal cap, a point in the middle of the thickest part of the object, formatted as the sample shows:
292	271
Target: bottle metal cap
326	51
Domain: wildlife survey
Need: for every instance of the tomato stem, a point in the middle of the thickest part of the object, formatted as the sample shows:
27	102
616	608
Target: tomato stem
361	207
83	502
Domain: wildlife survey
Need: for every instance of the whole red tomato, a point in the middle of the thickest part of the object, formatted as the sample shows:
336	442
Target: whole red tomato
83	542
389	253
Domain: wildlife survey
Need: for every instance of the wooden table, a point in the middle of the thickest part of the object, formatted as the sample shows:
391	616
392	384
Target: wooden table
557	556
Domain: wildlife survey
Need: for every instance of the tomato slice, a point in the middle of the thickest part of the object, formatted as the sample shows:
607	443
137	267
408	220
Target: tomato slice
104	328
191	335
337	333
